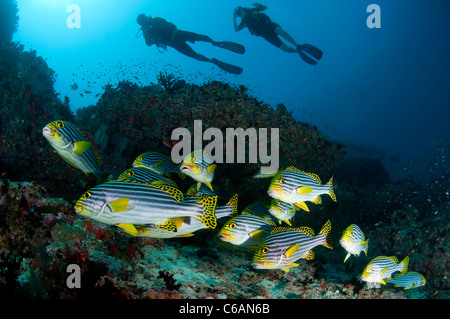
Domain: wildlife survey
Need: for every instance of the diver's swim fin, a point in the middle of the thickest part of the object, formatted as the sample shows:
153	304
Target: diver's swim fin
312	51
227	67
232	46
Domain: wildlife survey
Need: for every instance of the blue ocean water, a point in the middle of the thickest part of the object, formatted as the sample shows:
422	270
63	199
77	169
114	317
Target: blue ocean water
380	87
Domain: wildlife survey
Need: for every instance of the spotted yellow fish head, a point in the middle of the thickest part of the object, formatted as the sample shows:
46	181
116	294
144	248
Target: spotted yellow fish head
233	232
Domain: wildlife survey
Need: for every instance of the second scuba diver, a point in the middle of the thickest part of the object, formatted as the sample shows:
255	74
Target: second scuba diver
162	33
260	24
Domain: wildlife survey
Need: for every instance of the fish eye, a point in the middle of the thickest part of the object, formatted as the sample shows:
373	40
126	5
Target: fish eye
281	180
60	124
86	195
265	250
233	225
130	173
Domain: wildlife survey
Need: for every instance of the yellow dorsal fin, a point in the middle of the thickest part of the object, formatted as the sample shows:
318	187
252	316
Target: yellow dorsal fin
173	191
81	146
306	230
312	175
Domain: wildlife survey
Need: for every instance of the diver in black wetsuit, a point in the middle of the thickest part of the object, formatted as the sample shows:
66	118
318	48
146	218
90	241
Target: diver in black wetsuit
162	33
260	24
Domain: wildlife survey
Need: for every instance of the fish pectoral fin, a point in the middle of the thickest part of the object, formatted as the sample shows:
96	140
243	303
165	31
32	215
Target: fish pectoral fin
383	282
302	190
300	205
120	205
157	164
256	234
288	253
347	257
81	146
129	229
211	168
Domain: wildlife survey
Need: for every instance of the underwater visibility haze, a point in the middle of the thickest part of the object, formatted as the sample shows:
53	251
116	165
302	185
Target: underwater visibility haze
349	99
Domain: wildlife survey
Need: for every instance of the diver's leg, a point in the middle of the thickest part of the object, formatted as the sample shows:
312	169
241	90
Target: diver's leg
188	51
284	34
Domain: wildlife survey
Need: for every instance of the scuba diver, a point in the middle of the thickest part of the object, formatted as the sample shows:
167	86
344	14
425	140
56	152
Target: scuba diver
260	24
162	33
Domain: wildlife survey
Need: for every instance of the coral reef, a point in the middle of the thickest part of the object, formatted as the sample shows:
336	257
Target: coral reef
8	20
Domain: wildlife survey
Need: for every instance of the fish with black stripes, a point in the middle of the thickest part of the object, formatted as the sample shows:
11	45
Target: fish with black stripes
158	163
296	187
353	241
126	204
381	268
72	145
284	246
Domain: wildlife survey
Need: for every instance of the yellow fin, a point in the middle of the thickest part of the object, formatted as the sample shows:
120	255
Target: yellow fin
173	191
326	230
209	185
332	194
168	225
81	146
317	200
178	221
157	164
256	234
233	202
185	235
209	206
347	257
288	253
129	229
309	255
287	221
119	205
302	190
211	168
301	205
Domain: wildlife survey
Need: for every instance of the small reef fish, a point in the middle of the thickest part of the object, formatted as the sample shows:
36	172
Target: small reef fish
284	246
381	268
158	163
186	227
246	231
295	187
409	280
353	241
282	211
260	210
199	167
71	144
145	175
126	204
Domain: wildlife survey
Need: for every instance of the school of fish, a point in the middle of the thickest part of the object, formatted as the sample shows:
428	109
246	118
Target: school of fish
144	201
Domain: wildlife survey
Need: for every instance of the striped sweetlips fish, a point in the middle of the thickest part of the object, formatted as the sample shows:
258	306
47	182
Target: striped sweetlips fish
381	268
158	163
353	241
186	226
72	145
282	211
295	187
409	280
145	175
126	204
284	246
195	191
246	231
199	167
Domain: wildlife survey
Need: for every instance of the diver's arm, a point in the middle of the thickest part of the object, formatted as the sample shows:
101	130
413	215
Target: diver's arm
236	26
